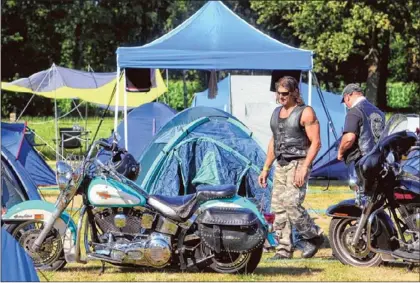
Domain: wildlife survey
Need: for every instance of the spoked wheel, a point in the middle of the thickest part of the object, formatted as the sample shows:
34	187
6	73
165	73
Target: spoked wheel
50	256
342	231
229	262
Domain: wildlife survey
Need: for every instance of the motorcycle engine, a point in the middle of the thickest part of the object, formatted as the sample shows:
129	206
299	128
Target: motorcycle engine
124	238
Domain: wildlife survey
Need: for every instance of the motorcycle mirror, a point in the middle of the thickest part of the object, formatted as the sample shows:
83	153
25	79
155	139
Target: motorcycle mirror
390	158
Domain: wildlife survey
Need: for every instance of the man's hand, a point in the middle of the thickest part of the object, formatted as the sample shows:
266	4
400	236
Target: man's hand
262	179
300	176
340	156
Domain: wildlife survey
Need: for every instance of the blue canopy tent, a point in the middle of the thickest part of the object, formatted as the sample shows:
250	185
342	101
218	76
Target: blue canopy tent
215	38
16	265
13	139
203	145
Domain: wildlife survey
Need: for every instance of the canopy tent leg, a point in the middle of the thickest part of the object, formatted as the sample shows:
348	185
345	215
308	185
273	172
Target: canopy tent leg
310	88
117	98
57	155
125	114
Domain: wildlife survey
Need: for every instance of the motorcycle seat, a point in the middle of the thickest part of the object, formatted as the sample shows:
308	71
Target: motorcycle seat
180	208
208	192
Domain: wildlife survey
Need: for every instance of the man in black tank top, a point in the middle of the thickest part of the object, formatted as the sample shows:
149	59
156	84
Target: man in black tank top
295	144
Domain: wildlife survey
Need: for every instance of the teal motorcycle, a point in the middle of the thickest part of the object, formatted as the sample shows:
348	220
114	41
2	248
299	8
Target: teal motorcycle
121	224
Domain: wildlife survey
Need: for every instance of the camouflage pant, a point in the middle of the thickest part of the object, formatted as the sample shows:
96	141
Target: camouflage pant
286	203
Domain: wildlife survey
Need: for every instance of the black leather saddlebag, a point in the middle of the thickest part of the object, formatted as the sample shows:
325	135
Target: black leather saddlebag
230	229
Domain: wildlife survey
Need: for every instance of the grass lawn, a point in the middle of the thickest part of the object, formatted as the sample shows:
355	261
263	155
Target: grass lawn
323	267
45	128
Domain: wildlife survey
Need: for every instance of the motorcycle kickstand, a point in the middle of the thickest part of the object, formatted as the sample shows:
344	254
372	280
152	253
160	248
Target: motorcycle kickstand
410	267
102	271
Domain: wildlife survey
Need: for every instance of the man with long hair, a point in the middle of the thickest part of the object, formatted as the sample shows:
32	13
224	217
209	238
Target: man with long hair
294	145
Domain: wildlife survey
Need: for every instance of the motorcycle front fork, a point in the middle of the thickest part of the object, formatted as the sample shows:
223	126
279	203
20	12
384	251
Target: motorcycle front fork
362	222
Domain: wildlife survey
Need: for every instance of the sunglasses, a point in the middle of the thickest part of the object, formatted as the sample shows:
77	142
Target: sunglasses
283	93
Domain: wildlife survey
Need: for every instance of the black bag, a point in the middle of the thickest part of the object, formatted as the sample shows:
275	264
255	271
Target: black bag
230	229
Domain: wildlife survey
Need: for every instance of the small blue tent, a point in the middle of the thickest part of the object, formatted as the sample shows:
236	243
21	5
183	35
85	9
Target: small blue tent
13	139
215	38
16	183
203	145
143	124
327	166
16	265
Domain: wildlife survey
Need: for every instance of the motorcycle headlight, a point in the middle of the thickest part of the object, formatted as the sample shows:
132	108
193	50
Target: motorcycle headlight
64	174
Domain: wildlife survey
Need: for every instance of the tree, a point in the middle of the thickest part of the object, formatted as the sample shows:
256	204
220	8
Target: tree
351	40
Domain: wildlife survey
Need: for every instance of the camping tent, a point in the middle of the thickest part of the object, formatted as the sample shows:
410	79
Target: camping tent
203	145
13	139
16	265
143	124
16	183
253	103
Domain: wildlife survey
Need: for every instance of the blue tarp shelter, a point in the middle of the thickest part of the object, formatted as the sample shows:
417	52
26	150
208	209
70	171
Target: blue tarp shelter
215	38
16	265
327	166
13	139
203	145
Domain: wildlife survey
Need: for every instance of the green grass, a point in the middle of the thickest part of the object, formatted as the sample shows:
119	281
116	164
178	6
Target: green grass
323	267
45	128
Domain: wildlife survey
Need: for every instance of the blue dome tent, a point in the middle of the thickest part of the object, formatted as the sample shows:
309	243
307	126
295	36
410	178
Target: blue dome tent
203	145
16	265
13	139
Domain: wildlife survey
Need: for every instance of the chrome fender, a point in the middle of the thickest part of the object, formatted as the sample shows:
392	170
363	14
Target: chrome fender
42	211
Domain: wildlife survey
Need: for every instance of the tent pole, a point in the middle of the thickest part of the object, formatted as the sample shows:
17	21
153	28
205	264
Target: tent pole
184	74
310	88
46	75
117	98
57	156
125	114
230	94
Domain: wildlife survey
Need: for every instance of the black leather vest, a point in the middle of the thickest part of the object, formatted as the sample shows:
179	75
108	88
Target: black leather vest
372	125
290	139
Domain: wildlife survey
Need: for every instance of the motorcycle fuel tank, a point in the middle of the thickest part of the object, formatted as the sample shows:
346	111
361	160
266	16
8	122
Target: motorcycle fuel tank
111	193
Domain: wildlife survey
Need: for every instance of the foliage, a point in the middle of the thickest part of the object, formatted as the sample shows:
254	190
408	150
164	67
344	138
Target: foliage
175	95
403	95
347	37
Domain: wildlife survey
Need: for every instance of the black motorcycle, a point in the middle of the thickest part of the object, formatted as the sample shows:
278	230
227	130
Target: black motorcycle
383	222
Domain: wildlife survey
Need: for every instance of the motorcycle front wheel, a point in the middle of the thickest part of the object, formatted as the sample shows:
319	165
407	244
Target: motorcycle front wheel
237	263
341	233
50	256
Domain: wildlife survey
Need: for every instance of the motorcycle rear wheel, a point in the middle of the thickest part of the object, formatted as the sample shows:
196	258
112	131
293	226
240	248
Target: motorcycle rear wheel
236	263
339	232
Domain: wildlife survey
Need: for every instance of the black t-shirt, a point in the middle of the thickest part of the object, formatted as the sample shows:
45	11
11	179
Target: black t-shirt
353	124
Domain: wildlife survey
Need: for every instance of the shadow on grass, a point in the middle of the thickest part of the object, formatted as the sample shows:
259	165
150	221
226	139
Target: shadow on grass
286	270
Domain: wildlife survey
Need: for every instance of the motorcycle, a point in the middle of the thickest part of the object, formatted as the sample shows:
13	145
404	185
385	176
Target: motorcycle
121	224
382	223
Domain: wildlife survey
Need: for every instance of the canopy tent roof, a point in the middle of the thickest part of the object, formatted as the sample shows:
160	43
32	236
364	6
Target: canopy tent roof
64	83
215	38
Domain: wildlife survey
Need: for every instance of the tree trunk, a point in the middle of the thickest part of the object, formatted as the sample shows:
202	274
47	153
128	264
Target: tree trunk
384	73
372	81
